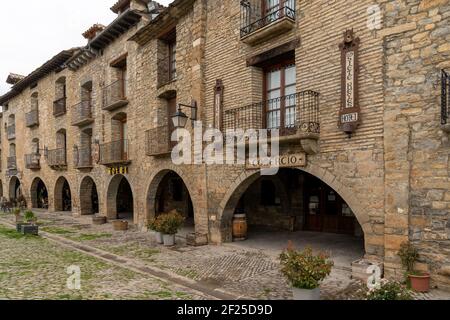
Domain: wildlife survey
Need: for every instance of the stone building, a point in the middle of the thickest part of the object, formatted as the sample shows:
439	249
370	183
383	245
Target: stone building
358	92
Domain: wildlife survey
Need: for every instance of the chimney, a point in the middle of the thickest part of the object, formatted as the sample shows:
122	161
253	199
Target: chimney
93	31
14	78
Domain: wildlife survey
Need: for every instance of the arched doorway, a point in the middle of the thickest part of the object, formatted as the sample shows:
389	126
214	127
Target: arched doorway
168	192
296	206
15	189
39	194
63	195
120	202
89	203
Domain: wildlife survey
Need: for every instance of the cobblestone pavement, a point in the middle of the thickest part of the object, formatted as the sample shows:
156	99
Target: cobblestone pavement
235	270
35	268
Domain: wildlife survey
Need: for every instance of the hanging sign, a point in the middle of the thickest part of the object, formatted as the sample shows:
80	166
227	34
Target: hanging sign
117	170
282	161
218	104
349	115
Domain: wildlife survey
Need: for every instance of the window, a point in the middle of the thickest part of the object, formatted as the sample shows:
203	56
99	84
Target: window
172	60
281	110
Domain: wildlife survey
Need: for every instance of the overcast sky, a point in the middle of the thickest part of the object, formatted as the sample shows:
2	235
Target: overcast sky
31	32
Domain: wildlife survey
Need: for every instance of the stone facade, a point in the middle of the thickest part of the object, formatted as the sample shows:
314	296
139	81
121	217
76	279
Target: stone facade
392	172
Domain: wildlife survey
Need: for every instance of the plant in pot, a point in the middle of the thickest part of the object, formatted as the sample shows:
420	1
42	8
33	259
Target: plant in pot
30	226
419	281
170	224
389	290
305	271
16	213
155	225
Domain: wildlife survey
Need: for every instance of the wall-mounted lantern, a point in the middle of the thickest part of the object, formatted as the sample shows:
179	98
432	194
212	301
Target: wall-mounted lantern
179	119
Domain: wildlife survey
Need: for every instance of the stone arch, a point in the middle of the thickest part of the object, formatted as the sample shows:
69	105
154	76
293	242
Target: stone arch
154	184
39	194
15	188
63	195
112	201
89	201
230	200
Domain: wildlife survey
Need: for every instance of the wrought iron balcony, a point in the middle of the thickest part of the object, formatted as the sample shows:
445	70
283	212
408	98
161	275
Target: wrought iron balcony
11	132
82	157
57	158
115	152
32	118
12	163
445	100
59	107
158	141
33	161
114	95
296	116
259	24
82	113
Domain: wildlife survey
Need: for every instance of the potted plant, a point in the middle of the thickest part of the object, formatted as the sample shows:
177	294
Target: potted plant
169	225
155	225
419	281
305	271
30	226
17	212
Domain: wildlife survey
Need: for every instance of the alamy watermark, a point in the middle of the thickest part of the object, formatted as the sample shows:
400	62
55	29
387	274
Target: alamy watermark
74	279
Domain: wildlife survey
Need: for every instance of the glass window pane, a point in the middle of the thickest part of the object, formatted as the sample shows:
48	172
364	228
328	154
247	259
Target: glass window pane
273	94
291	75
274	79
290	90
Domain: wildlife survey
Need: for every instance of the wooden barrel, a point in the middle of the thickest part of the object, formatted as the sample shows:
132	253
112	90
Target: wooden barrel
240	227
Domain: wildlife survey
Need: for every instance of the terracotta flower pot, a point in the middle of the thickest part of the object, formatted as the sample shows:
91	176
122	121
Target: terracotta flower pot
420	283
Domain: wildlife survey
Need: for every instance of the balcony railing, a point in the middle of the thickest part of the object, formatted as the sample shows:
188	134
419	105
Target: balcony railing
57	158
12	163
114	95
82	113
114	153
158	141
82	157
33	161
292	114
445	98
11	132
32	118
254	17
59	107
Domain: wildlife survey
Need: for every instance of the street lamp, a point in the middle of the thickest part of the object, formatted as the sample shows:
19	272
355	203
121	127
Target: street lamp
179	119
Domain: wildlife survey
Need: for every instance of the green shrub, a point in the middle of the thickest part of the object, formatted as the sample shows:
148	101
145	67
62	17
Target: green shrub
17	211
155	225
170	223
408	255
29	216
389	290
303	269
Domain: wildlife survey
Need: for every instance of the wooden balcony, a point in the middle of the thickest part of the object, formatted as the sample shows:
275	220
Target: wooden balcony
33	161
257	27
11	132
57	158
157	141
82	114
114	95
32	119
114	153
82	158
59	107
299	111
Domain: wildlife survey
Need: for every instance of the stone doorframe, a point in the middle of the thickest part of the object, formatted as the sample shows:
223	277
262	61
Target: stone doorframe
111	197
34	189
85	195
155	181
12	186
246	179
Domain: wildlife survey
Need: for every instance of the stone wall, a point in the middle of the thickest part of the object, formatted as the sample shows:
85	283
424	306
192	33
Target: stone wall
417	37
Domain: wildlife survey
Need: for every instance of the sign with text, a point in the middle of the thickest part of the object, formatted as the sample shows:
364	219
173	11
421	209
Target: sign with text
283	161
118	170
349	115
